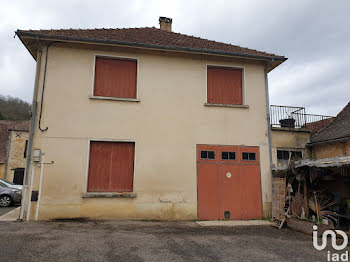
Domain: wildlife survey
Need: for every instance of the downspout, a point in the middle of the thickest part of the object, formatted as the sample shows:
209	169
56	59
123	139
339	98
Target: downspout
44	82
268	112
32	124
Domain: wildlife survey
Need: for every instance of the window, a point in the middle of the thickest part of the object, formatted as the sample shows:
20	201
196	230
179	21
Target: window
248	156
25	149
115	77
207	154
111	167
228	155
224	85
284	154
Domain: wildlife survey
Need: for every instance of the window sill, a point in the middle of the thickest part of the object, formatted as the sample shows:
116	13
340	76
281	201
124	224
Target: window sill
115	98
226	105
110	195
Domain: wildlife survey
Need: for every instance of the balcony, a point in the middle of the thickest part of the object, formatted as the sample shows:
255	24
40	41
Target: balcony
296	118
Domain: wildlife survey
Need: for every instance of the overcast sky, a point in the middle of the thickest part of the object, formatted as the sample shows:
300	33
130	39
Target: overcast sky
314	35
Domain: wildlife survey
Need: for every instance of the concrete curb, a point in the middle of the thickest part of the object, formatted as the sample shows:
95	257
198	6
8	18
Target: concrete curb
233	223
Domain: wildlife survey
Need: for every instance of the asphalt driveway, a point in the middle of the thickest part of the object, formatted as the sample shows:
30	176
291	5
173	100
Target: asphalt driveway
151	241
4	210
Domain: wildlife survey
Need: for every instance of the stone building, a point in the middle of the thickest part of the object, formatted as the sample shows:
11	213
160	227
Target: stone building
14	136
334	139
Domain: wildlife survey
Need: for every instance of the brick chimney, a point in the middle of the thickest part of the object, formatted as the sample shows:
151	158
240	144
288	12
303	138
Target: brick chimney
165	23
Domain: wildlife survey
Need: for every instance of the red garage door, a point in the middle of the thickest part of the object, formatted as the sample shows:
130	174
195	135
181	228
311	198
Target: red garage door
228	182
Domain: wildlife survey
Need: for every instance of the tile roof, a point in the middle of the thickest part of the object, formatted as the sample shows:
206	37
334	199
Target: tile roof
148	37
5	127
317	126
339	128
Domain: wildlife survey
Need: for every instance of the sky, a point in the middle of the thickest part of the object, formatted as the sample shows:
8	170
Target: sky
314	35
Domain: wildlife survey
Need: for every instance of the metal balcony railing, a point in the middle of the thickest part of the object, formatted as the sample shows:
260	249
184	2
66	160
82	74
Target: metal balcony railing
296	117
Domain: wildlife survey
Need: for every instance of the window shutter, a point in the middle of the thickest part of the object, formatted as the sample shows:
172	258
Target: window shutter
115	78
224	85
111	167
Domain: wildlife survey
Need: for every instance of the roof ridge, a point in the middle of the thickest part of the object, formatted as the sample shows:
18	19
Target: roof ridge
214	41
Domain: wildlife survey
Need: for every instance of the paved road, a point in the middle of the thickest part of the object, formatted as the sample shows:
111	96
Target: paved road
4	210
151	241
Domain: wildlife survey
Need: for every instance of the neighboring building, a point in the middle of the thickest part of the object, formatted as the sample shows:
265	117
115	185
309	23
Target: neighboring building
334	139
147	123
291	130
14	137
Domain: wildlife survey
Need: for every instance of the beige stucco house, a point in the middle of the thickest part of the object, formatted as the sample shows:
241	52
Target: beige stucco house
145	123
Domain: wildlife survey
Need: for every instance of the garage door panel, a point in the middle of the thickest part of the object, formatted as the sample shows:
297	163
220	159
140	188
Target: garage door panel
208	195
251	192
230	191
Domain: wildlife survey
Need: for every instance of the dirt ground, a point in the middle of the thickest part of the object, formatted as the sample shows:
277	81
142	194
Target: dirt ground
151	241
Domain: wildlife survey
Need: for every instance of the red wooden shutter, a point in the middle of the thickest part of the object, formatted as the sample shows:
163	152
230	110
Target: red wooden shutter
224	86
115	78
111	167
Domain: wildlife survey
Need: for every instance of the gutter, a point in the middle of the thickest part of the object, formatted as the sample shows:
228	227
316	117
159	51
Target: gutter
268	112
32	124
134	44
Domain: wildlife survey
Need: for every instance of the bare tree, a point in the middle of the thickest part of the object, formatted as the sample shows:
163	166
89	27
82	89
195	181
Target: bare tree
14	108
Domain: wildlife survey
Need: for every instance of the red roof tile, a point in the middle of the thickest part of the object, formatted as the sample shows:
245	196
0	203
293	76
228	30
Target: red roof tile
339	128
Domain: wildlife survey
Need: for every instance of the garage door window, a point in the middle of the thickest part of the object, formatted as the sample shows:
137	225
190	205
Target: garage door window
115	77
248	156
228	155
111	167
207	154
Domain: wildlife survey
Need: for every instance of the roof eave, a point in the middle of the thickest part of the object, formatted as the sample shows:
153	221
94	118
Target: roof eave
276	59
336	140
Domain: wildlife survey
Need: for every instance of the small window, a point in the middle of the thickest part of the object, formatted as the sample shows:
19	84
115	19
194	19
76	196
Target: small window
25	149
228	155
207	154
297	155
248	156
284	154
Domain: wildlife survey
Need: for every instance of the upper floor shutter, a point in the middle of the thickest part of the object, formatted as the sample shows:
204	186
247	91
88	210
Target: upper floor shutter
115	77
224	85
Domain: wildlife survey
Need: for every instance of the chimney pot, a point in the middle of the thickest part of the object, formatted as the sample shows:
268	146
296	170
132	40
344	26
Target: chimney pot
165	23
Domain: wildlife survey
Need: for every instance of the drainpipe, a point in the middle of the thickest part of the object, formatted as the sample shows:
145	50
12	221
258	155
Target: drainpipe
43	89
32	124
268	112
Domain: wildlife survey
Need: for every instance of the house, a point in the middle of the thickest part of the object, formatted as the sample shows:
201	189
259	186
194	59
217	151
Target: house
146	123
334	139
14	137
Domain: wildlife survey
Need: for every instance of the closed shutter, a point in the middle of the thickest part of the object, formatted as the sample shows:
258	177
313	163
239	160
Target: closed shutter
224	85
115	78
111	167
